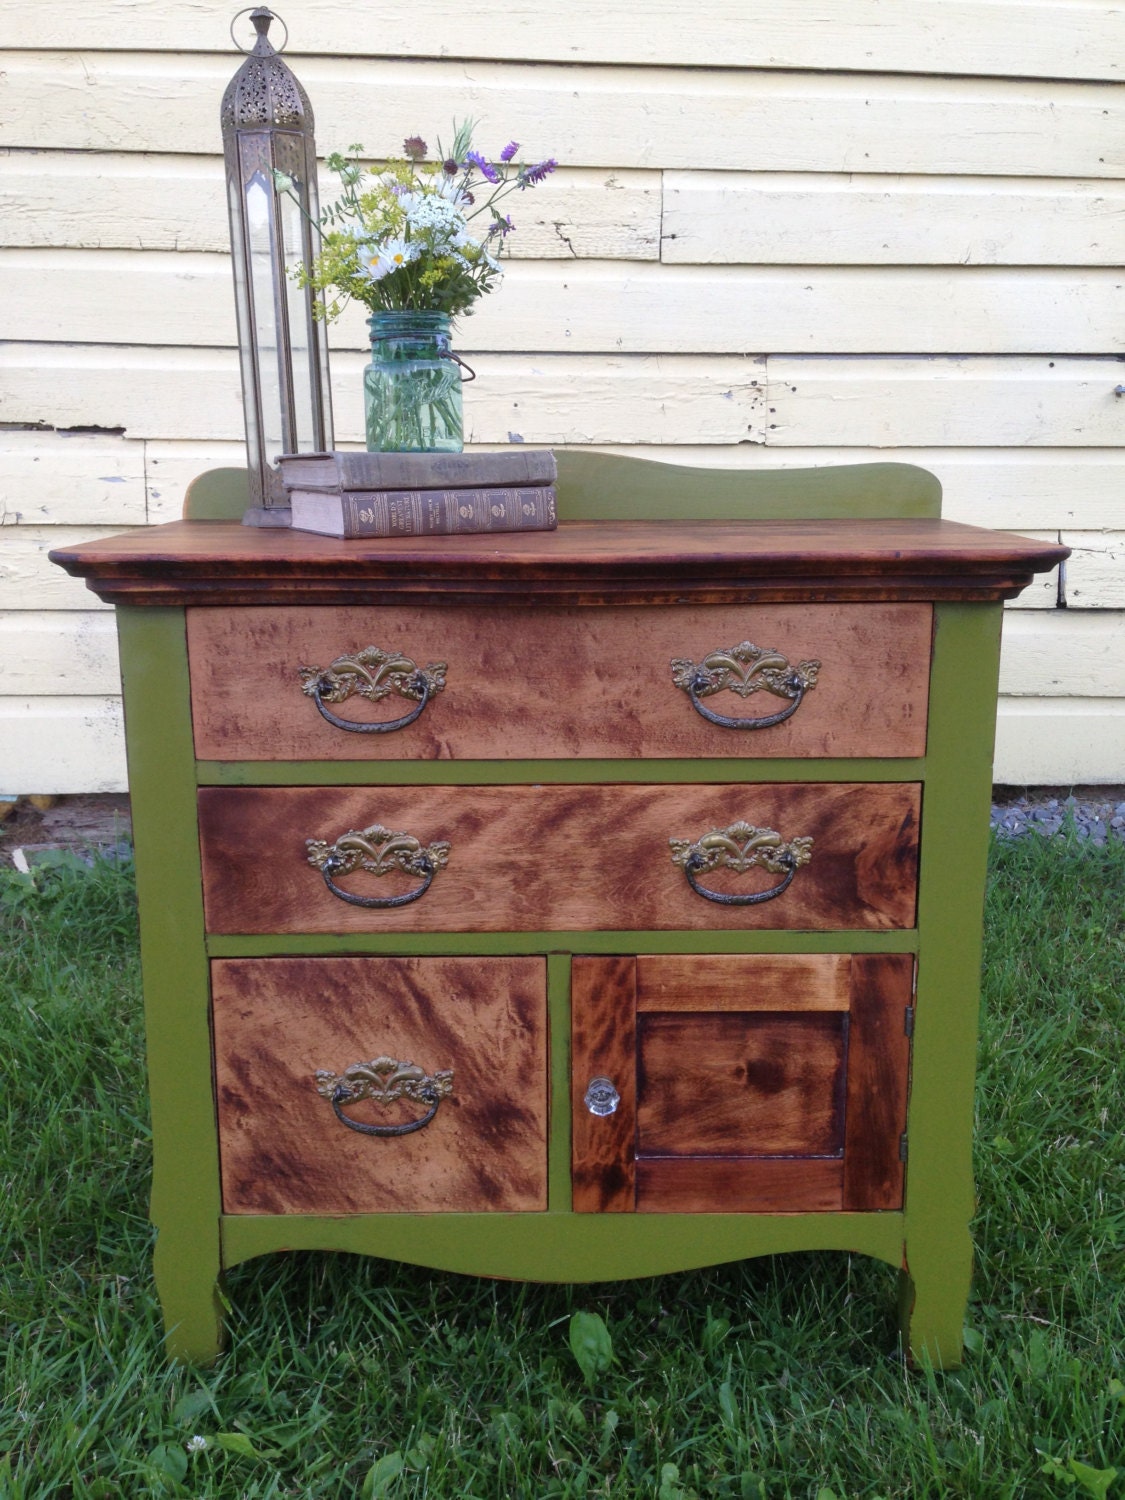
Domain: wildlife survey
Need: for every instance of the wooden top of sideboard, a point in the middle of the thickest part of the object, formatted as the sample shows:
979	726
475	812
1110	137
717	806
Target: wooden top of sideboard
583	562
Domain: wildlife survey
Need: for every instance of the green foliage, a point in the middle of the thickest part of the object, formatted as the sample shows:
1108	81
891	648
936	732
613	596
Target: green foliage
591	1345
769	1380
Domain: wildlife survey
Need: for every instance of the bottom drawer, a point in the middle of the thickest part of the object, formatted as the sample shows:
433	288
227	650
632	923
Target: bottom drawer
740	1083
381	1085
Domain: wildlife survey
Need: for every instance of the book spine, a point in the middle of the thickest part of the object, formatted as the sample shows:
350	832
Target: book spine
402	471
448	512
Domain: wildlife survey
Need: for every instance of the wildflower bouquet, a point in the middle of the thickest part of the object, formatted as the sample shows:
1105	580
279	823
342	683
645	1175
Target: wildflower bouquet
400	240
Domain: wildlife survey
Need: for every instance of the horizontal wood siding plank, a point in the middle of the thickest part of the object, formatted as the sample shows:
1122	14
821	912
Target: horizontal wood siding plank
29	581
52	479
56	653
597	307
548	399
1074	653
167	202
1054	40
1059	741
593	117
816	218
1095	570
968	402
57	745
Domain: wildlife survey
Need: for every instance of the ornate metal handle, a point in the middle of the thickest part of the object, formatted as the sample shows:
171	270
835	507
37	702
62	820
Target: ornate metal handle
745	669
378	851
372	674
383	1079
741	847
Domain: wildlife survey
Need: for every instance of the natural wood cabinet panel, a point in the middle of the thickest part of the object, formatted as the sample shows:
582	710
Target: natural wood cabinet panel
279	1021
787	1099
521	683
542	858
708	1082
731	1184
744	982
603	1046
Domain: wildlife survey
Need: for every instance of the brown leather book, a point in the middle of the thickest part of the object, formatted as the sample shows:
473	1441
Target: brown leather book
417	471
359	513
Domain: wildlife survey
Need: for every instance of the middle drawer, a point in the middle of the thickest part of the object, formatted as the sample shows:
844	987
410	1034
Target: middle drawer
559	858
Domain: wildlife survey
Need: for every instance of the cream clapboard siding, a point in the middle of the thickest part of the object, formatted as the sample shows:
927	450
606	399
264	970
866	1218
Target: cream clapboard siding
876	231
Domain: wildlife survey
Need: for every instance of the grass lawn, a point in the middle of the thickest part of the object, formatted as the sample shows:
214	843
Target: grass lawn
773	1378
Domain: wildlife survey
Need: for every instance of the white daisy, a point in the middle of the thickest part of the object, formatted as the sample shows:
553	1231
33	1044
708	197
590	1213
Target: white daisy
380	260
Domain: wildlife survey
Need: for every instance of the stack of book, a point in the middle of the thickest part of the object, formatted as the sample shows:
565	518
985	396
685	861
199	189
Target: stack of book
421	494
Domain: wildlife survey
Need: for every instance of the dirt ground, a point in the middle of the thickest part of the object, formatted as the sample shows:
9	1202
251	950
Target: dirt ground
80	823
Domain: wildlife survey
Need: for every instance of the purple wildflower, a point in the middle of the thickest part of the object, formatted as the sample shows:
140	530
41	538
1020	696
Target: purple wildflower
529	176
450	167
509	150
415	148
487	170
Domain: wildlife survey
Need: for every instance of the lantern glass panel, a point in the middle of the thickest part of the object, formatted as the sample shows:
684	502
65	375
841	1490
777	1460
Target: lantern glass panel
267	346
298	309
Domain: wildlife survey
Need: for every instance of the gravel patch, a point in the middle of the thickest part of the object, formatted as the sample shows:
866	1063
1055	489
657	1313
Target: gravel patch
1092	814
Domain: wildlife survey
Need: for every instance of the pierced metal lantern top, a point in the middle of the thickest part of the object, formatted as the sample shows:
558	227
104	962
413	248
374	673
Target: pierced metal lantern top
264	93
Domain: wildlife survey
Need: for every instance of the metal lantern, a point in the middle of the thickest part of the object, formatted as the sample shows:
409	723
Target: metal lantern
283	349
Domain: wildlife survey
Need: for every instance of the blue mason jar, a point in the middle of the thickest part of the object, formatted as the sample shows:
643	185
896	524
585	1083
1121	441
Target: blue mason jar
412	387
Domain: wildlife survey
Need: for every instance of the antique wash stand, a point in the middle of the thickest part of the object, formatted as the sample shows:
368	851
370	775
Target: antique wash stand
644	932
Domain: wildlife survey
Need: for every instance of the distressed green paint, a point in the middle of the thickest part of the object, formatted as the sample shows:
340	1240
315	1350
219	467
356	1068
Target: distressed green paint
567	1247
218	495
185	1193
482	943
574	772
558	1149
939	1191
612	487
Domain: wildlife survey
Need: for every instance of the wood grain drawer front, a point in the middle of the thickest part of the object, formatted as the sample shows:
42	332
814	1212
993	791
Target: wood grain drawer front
284	1147
559	858
744	1084
558	683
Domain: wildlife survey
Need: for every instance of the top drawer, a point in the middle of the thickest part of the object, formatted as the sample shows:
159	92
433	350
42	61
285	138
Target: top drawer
830	680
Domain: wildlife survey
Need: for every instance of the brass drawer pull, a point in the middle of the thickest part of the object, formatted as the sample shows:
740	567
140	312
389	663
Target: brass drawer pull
384	1080
744	669
372	674
741	847
378	851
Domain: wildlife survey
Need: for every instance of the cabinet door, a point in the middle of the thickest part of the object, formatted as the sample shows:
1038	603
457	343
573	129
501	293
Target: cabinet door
739	1083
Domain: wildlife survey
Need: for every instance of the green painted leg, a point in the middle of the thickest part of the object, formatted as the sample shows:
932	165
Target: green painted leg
933	1296
186	1201
188	1286
939	1181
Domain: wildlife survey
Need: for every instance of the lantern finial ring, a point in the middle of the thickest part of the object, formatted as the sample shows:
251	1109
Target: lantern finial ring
257	10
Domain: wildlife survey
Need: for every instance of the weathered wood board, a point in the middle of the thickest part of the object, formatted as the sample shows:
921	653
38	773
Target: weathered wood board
821	218
178	202
588	307
1051	40
719	119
